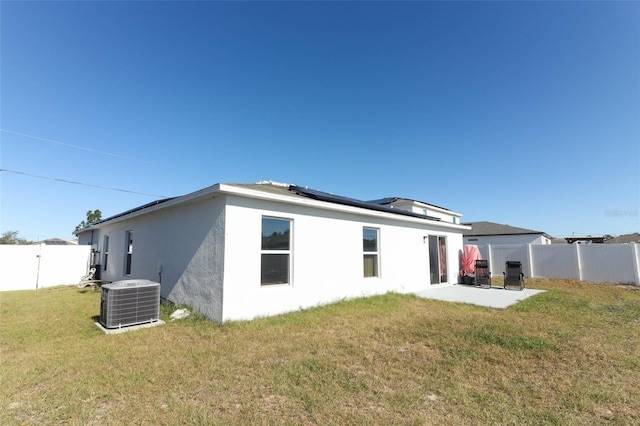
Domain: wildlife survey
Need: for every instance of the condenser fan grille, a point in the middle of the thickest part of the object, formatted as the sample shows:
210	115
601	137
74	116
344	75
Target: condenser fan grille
129	302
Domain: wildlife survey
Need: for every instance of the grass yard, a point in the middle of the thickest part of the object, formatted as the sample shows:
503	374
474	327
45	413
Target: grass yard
569	356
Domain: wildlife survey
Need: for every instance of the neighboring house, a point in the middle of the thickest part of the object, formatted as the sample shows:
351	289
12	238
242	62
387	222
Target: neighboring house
56	242
420	208
234	251
558	241
624	239
494	233
584	240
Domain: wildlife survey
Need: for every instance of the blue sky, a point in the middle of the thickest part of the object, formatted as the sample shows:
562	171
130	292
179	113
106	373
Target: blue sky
521	113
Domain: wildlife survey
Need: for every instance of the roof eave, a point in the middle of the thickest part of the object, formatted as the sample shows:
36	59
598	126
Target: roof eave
231	189
324	205
151	207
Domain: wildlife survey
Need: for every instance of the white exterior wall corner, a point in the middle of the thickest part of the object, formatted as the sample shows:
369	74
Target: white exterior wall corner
180	246
200	284
326	256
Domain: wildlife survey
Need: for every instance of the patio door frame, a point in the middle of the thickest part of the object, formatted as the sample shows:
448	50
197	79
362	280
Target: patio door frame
438	268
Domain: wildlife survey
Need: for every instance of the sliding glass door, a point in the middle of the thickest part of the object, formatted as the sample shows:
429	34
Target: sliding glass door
438	259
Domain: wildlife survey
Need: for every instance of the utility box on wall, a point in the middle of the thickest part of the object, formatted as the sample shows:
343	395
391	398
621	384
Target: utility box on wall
129	302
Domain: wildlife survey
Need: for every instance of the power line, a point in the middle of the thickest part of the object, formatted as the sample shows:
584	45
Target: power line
68	145
82	184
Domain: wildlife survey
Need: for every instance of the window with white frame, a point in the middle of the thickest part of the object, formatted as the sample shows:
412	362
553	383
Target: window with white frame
370	249
276	251
128	252
105	252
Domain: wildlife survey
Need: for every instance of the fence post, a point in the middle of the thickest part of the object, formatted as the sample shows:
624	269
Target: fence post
530	259
579	261
489	259
39	256
636	263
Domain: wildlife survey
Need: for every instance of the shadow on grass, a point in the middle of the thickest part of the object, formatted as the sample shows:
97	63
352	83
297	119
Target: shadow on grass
87	290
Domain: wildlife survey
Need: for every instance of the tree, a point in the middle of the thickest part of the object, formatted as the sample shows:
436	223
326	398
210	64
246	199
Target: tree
92	217
11	237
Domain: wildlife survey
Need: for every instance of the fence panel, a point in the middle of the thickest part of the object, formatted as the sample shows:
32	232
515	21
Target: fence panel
497	255
607	262
29	267
604	263
557	261
18	267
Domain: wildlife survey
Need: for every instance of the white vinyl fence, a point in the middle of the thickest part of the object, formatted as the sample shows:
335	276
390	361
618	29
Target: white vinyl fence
602	263
30	267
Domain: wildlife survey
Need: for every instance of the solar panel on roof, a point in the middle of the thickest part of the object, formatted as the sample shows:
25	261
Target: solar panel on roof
338	199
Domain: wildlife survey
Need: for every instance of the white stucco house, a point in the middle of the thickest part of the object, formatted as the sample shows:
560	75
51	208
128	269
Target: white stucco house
240	251
482	233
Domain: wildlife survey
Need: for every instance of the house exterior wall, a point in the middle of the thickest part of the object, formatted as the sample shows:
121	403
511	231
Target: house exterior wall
181	247
206	252
326	257
506	239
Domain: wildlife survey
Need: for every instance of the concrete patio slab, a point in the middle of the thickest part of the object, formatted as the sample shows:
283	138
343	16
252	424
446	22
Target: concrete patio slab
494	297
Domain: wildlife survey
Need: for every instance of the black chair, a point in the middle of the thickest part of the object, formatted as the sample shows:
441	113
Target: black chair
513	275
483	276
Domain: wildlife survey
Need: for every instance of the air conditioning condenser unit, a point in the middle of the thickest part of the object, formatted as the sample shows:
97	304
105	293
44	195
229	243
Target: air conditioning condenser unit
129	302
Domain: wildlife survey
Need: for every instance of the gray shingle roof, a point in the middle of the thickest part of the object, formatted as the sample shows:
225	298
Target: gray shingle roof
55	242
491	228
627	238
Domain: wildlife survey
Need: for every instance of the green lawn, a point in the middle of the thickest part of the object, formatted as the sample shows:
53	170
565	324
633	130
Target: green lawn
568	356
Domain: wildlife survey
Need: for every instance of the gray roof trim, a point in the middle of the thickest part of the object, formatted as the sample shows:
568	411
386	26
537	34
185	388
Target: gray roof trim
126	213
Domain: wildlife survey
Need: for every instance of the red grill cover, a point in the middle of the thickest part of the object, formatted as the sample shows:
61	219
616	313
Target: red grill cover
470	254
